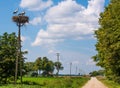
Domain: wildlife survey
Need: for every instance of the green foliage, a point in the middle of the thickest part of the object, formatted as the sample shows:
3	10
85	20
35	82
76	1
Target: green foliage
58	82
8	53
38	64
97	73
41	64
117	79
8	48
108	40
29	66
110	84
58	66
48	66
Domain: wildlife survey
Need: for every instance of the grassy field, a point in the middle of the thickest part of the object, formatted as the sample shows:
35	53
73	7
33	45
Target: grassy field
55	82
110	84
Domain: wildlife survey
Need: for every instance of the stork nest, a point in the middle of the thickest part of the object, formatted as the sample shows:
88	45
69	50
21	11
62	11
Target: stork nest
20	19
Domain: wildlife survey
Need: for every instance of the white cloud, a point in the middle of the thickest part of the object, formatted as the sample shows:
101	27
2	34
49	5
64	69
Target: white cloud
94	7
70	20
36	21
44	37
35	5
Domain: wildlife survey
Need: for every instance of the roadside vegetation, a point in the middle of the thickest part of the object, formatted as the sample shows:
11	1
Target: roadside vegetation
108	41
110	83
49	82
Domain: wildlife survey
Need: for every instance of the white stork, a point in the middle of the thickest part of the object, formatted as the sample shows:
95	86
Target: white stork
15	12
22	13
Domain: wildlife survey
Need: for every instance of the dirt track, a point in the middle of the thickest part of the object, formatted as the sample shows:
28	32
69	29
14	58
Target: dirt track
94	83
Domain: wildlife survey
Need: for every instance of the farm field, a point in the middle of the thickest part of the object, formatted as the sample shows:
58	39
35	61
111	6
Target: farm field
53	82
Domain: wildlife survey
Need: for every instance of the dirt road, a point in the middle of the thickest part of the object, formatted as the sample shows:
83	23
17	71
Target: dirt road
94	83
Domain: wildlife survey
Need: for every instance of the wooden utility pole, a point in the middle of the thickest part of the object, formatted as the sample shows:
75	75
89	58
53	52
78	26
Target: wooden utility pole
70	68
20	20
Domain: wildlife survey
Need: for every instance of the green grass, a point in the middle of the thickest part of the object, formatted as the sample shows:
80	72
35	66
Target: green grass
110	84
54	82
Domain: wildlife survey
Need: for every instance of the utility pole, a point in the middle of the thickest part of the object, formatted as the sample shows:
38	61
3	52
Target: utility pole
70	68
79	72
58	55
20	20
76	70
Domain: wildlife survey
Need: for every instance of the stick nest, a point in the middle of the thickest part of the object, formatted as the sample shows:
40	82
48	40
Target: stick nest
20	19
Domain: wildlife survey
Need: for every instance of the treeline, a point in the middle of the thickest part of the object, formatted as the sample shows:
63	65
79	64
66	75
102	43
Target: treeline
97	73
108	41
42	66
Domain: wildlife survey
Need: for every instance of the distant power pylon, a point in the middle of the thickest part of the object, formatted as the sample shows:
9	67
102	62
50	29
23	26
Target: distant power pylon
76	70
58	55
70	68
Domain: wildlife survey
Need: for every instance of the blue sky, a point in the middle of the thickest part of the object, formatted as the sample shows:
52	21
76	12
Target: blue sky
57	26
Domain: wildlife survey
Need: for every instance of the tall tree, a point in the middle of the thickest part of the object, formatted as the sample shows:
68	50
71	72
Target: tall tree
8	48
58	66
38	64
29	66
47	66
108	40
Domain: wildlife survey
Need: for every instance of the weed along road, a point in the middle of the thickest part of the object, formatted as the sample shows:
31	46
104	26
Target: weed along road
94	83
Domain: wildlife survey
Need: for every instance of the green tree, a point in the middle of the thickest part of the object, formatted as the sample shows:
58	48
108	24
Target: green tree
47	66
8	48
58	66
29	66
97	73
38	64
108	41
8	53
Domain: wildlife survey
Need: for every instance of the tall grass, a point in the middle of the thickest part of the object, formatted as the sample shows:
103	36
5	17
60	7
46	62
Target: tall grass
54	82
110	84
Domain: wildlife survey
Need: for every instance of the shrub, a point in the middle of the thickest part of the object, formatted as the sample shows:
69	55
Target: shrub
117	79
34	74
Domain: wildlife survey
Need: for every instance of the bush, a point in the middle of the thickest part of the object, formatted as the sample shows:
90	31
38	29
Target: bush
117	79
34	74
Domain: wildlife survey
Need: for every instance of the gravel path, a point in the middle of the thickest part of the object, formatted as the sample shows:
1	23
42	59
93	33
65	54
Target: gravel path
94	83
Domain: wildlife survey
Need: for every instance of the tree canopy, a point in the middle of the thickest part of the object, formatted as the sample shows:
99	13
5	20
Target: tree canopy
8	55
43	65
8	48
108	40
58	66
